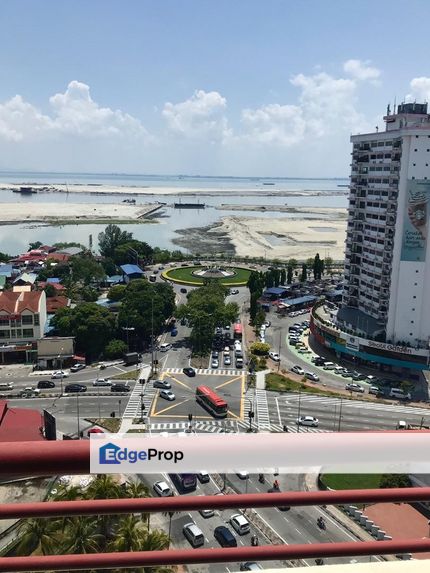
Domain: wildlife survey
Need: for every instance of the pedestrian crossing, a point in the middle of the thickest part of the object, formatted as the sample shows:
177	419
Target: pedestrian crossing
263	417
134	405
224	427
208	372
293	399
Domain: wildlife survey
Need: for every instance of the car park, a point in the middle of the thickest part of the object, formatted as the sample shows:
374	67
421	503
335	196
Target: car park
353	387
189	371
308	421
59	374
224	536
312	376
72	388
164	347
240	524
167	395
163	384
162	489
77	367
193	534
298	370
120	388
274	356
44	384
102	382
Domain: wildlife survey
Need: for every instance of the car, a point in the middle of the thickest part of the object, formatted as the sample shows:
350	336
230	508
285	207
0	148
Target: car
162	489
60	374
298	370
293	341
120	388
174	332
357	376
206	513
42	384
224	536
242	475
352	387
102	382
77	367
375	390
167	395
267	323
234	291
203	477
310	421
312	376
371	379
250	566
240	524
319	361
95	431
227	361
214	363
189	371
183	290
164	347
29	392
346	373
274	356
75	388
215	354
163	384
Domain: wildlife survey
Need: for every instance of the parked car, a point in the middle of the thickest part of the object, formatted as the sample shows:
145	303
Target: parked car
163	384
120	388
374	390
102	382
77	367
352	387
174	332
274	356
242	475
224	536
346	373
189	371
240	524
298	370
164	347
162	489
227	361
194	534
357	376
167	395
214	363
43	384
319	361
75	388
234	291
60	374
267	323
312	376
308	421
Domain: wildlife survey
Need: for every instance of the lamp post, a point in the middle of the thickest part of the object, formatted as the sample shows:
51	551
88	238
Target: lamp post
279	350
60	358
77	415
119	408
340	414
128	329
298	408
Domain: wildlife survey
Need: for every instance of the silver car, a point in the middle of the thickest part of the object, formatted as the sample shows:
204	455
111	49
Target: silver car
102	382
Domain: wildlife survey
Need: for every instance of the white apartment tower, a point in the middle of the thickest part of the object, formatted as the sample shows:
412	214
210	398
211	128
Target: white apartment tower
387	267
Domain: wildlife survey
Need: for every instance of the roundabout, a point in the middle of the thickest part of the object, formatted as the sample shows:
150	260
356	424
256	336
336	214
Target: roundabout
199	275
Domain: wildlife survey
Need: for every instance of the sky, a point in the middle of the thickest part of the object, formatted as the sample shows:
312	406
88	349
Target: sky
199	87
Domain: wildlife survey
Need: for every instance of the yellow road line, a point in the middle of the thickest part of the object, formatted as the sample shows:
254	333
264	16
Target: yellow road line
242	397
228	382
172	406
179	382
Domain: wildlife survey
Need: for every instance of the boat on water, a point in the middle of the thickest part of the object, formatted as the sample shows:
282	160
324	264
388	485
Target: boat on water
25	190
189	205
130	201
268	183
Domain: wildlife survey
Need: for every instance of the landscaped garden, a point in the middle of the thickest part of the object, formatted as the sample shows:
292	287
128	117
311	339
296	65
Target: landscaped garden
199	275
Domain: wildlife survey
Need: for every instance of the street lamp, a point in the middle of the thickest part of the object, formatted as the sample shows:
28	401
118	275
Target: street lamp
60	358
298	408
127	329
340	414
77	415
119	408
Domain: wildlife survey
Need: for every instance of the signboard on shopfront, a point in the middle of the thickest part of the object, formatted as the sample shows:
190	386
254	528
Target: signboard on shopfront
390	347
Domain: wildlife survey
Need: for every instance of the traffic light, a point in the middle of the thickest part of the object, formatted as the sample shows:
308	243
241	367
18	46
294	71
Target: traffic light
190	417
251	414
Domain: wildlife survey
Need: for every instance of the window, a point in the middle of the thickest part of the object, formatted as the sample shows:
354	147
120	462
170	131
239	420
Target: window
27	332
27	319
4	333
36	320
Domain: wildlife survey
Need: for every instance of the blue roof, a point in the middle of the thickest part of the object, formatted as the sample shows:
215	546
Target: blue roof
299	300
6	270
275	290
53	281
131	270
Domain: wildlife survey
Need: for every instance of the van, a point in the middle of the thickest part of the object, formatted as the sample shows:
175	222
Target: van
193	534
399	394
338	370
7	386
329	366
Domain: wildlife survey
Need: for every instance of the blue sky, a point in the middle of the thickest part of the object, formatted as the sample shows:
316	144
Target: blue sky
222	87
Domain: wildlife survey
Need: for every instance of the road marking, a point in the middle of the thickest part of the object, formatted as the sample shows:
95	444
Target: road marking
228	382
279	412
172	406
179	382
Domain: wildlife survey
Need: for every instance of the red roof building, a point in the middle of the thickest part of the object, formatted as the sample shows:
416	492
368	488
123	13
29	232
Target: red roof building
53	303
20	424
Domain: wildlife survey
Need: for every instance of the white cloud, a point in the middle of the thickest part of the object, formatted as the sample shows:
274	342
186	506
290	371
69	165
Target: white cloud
362	71
420	89
274	123
199	117
72	113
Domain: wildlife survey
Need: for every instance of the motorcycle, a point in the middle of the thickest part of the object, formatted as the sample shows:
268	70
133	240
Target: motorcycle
254	541
321	523
319	561
261	478
102	366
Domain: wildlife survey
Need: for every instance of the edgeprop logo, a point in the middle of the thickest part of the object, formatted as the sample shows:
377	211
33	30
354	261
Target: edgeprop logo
112	454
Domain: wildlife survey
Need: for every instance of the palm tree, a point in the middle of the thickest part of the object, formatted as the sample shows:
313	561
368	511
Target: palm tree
104	486
81	536
38	537
68	493
136	489
129	535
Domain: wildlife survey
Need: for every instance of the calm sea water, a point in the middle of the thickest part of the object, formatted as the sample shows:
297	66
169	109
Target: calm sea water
15	238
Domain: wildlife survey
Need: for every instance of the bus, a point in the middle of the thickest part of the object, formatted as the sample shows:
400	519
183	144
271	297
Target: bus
211	402
237	331
184	482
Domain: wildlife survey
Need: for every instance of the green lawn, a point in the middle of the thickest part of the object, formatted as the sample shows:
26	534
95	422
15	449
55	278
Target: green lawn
132	375
279	383
352	481
183	275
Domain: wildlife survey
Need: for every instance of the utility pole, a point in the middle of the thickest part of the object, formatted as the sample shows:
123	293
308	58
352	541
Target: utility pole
340	414
79	425
298	409
279	350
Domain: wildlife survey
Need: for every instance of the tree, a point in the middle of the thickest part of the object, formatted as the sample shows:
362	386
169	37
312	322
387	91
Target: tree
260	348
289	274
50	290
4	258
131	252
283	276
292	263
304	273
317	267
92	325
116	292
67	244
115	348
394	480
253	307
87	294
82	536
86	269
111	238
38	536
260	318
328	264
34	245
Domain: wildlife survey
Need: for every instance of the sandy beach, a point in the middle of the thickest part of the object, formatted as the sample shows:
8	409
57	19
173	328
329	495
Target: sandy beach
84	212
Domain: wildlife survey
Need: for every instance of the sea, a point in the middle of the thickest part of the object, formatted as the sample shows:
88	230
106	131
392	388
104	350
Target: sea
262	191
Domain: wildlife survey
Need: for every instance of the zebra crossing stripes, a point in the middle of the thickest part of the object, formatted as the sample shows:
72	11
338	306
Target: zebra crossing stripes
294	430
134	405
223	427
208	372
263	417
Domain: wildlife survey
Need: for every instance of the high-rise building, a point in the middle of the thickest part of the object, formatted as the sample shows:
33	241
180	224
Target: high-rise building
386	299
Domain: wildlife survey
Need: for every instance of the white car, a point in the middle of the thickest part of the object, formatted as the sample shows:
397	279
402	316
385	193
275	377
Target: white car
240	524
102	382
60	374
298	370
242	475
164	347
308	421
167	395
312	376
214	363
227	361
274	356
162	489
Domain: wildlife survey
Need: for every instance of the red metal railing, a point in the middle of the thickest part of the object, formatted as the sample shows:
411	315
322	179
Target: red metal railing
59	458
